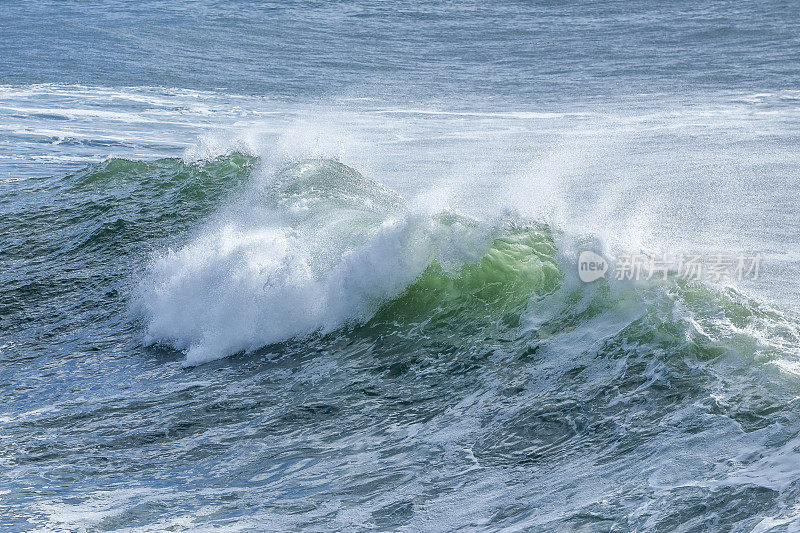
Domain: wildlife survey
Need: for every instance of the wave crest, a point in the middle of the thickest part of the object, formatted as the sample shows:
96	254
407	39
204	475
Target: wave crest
315	248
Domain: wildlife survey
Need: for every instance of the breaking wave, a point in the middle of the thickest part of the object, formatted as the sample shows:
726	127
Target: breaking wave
317	248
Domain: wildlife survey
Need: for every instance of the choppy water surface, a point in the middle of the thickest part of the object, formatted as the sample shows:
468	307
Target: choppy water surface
314	267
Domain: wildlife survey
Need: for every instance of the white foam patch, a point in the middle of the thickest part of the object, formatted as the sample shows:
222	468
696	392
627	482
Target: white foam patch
241	285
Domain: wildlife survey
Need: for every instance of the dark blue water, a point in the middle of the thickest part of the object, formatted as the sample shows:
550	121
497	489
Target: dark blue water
504	53
313	266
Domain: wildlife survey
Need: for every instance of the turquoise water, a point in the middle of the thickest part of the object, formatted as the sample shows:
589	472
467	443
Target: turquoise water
314	267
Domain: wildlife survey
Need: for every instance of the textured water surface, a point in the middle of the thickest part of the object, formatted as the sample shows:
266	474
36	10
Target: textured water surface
313	267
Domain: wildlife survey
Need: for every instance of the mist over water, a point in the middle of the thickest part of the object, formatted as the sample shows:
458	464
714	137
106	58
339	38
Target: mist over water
313	266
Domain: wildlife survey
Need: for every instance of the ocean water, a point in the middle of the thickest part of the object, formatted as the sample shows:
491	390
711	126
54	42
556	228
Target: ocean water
314	266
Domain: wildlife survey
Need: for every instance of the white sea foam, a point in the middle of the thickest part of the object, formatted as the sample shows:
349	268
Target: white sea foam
260	274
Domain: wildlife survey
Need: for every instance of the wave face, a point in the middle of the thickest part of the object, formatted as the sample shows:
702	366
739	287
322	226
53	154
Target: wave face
319	248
